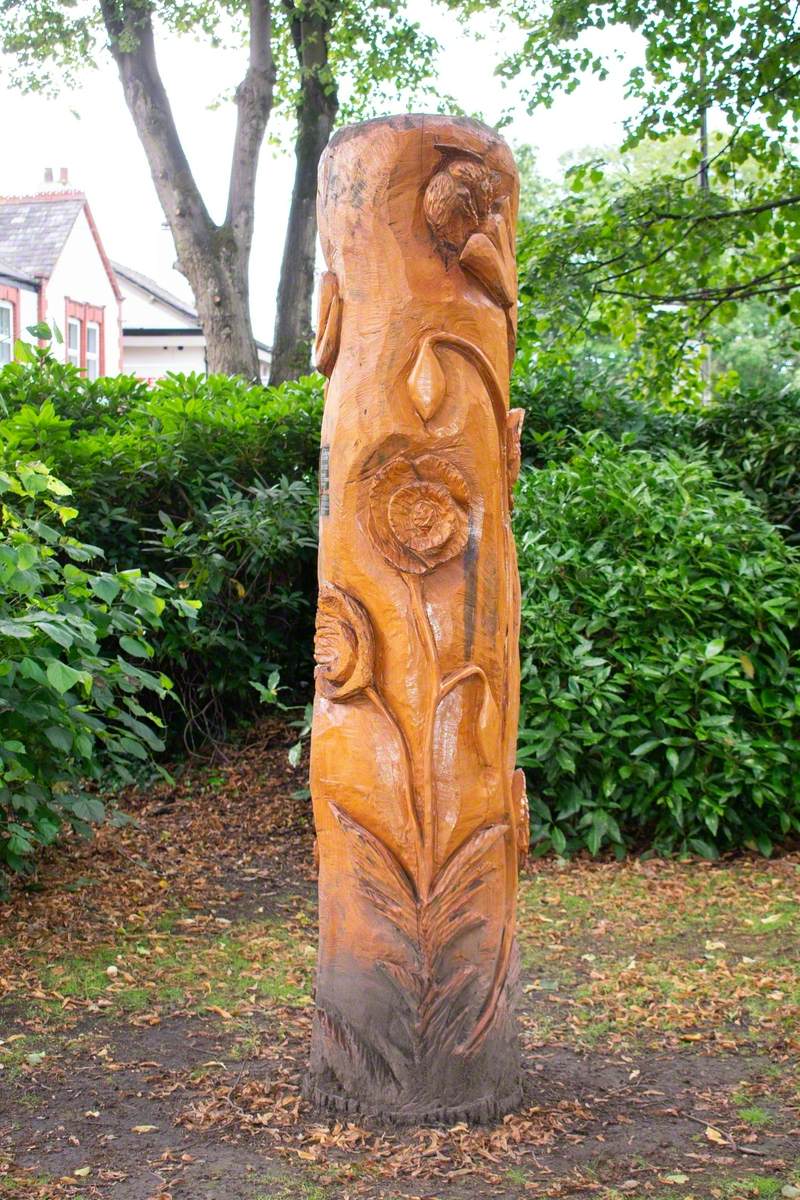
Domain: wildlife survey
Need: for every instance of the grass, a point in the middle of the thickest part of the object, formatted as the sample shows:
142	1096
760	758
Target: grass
17	1188
290	1189
648	951
620	960
753	1187
255	962
23	1053
755	1115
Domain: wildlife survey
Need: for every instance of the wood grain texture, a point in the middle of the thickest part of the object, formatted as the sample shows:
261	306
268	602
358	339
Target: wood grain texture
420	817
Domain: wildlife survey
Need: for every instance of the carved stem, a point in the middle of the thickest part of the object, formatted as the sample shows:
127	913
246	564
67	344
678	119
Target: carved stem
412	814
433	681
456	677
474	355
499	412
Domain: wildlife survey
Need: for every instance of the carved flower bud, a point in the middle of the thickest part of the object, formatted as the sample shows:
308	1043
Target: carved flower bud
419	512
458	200
344	645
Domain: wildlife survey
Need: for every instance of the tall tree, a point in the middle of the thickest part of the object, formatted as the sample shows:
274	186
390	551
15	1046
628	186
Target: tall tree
317	105
214	257
373	54
290	47
664	257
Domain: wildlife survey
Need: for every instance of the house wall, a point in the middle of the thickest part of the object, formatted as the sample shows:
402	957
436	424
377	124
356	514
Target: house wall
25	300
28	311
154	361
80	275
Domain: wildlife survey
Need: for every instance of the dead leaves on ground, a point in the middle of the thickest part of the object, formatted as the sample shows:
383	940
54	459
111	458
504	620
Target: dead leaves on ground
184	918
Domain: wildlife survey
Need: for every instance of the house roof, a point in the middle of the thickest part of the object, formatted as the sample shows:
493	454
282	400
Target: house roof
7	271
155	290
34	231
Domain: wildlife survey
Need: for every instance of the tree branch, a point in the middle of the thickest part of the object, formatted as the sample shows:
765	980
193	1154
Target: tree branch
254	97
130	30
770	283
749	211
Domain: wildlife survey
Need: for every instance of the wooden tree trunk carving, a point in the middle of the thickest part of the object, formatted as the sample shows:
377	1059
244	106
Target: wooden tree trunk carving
420	816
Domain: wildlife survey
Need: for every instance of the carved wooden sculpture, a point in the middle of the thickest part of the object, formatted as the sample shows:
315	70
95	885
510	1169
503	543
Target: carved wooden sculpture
419	814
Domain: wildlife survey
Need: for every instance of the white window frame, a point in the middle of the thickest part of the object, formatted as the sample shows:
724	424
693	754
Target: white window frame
7	343
74	356
93	357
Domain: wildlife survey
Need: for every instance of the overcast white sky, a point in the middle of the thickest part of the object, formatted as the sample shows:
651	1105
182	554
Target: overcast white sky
91	133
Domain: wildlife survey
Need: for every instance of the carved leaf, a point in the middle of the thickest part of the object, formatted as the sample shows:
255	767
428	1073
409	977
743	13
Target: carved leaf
408	983
465	864
449	913
514	421
360	1059
383	879
431	983
426	382
488	729
438	1007
519	798
329	325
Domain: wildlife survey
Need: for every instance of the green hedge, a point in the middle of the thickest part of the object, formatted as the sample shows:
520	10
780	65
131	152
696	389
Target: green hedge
752	440
211	483
661	678
660	607
754	444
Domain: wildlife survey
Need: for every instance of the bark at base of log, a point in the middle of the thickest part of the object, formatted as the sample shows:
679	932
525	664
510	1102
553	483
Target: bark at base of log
369	1055
485	1111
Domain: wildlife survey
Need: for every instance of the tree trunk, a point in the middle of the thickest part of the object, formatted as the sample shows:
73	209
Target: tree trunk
291	343
213	258
218	275
420	814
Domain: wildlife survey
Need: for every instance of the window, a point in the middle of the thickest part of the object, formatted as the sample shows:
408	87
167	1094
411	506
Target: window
85	340
9	322
74	330
6	332
92	350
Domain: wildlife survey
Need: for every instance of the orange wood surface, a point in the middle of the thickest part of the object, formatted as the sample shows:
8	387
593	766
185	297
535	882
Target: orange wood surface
420	815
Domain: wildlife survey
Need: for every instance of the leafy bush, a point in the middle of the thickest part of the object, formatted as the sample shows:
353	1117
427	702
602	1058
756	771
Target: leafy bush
569	399
660	657
73	649
755	443
206	480
131	451
251	558
752	438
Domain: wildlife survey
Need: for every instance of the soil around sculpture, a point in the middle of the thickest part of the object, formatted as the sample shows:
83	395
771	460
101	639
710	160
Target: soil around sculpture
420	816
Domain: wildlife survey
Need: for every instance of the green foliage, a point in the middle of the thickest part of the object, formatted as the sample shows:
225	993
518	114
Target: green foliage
655	249
74	655
751	437
376	51
754	441
660	657
205	480
251	558
740	57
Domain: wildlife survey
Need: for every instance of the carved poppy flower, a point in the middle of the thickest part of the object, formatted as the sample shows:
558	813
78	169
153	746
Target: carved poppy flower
419	513
344	645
